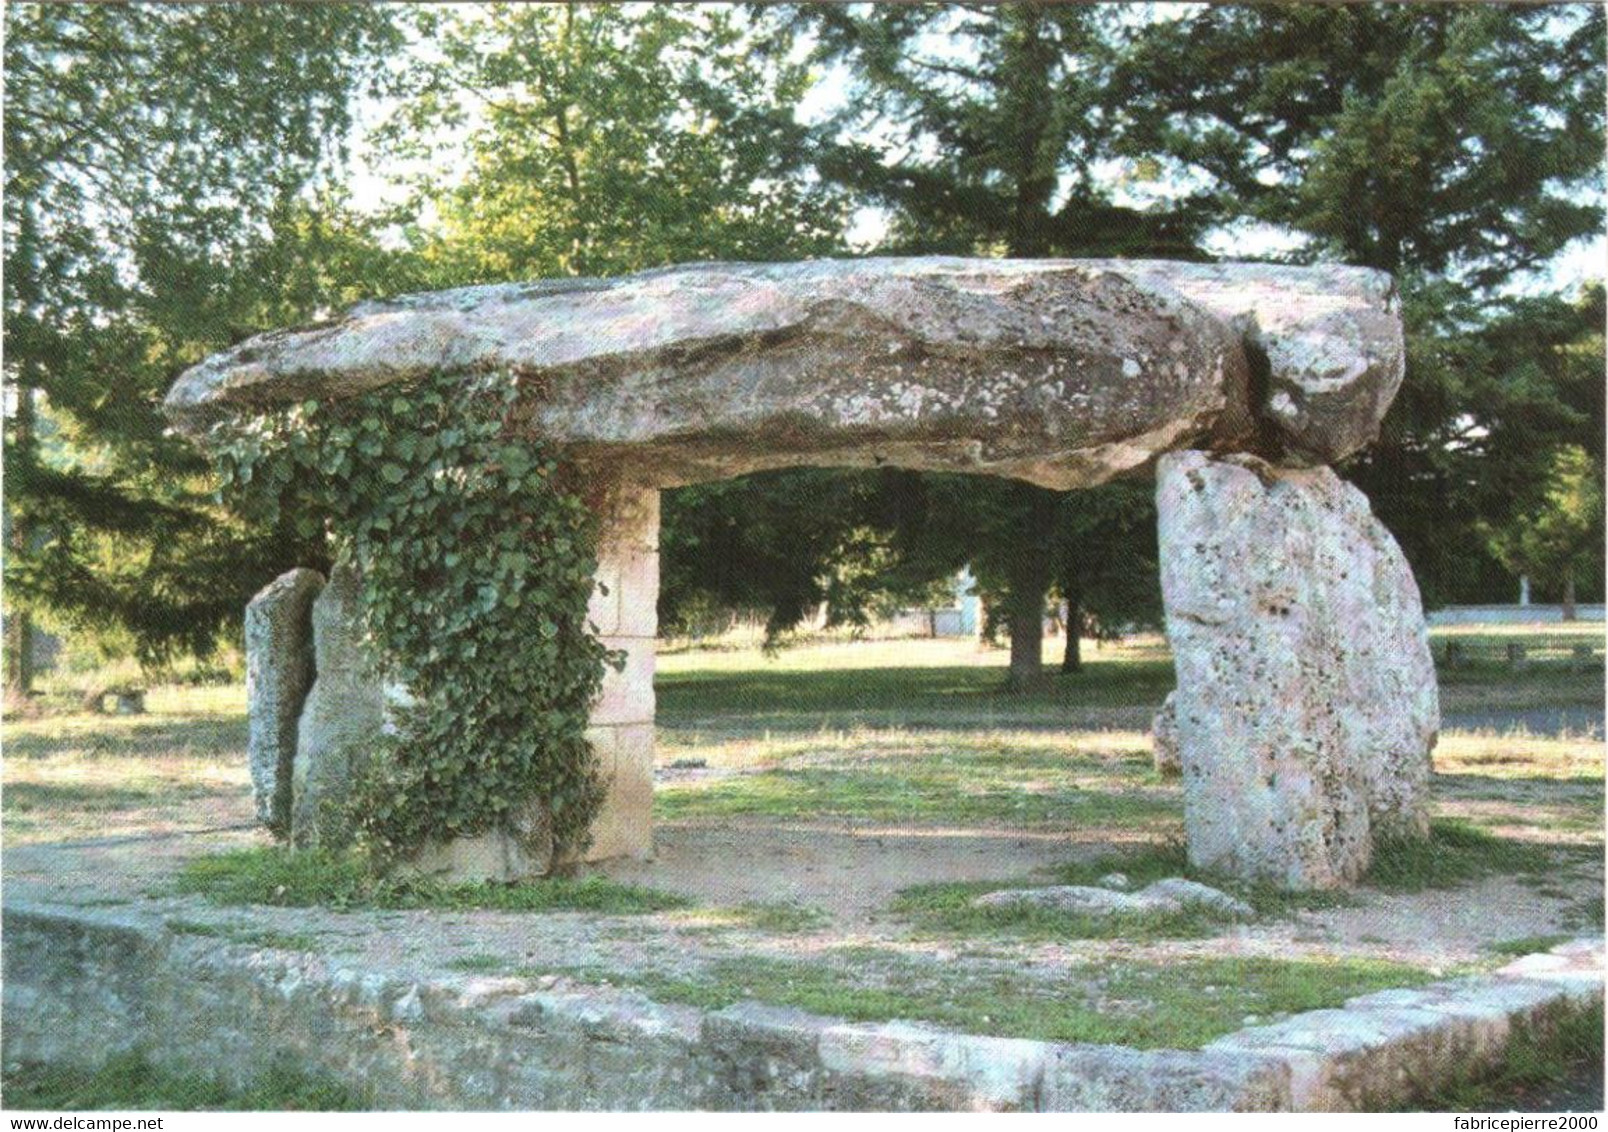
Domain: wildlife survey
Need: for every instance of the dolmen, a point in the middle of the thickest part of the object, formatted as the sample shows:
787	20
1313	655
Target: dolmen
1306	705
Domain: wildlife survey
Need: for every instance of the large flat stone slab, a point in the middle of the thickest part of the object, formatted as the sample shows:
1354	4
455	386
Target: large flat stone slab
1062	372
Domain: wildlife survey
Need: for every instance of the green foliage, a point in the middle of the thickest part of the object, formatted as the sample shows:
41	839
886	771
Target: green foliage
477	560
1550	543
163	198
278	877
133	1082
595	139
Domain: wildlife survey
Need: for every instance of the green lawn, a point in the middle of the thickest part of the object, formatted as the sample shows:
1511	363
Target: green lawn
913	735
1177	1005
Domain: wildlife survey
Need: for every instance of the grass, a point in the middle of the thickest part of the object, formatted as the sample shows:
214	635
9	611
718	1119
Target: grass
919	793
934	778
1182	1004
276	876
1526	945
779	917
480	963
96	776
1454	853
132	1082
915	684
240	933
947	908
1538	1059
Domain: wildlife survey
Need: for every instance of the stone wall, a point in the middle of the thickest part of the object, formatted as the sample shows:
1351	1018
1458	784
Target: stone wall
83	984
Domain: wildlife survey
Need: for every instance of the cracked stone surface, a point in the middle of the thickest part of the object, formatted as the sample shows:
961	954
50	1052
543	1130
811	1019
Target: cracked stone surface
1171	895
1306	706
279	671
1062	372
343	714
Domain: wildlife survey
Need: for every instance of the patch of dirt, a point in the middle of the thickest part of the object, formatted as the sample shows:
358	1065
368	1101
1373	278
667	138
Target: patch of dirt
851	873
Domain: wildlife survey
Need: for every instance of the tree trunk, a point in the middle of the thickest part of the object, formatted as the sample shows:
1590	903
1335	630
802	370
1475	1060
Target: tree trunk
18	642
1569	612
1072	658
1026	605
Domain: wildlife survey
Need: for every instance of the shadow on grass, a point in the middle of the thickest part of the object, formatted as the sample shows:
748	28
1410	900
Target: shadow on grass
1553	1066
24	797
221	737
276	876
784	699
908	795
1454	853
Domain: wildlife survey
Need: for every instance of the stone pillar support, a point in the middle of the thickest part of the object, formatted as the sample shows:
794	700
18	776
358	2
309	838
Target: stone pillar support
625	611
1306	706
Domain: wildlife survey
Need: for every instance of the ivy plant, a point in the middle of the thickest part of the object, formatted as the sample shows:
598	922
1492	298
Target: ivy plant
477	553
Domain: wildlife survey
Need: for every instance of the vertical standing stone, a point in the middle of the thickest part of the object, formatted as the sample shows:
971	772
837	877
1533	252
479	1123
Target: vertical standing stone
624	610
279	671
1306	705
344	714
1164	738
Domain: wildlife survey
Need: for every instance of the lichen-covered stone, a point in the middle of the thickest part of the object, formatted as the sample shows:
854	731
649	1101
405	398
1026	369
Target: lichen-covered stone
344	715
1306	704
1164	739
1328	338
499	856
1173	894
279	671
1062	372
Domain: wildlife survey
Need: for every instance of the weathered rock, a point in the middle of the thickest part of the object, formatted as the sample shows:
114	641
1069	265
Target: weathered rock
1062	898
1097	1078
1306	703
1189	893
345	712
1117	881
1164	738
498	856
1171	895
1061	372
279	671
1329	342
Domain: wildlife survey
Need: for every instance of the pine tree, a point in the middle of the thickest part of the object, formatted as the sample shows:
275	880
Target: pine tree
159	204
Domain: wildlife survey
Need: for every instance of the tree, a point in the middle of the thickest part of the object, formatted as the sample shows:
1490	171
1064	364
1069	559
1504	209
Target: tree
159	161
1458	147
1564	532
602	139
599	139
994	131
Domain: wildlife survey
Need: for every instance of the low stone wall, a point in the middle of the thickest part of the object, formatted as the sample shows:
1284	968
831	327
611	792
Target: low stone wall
83	984
1510	614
